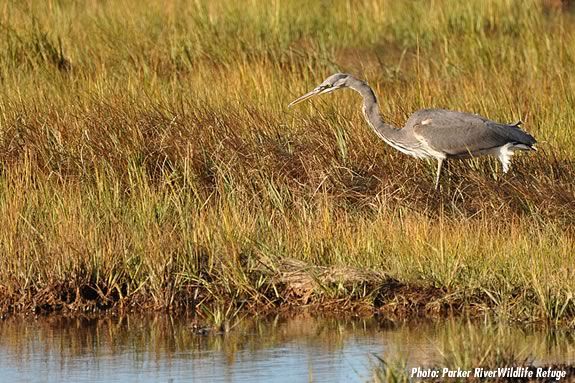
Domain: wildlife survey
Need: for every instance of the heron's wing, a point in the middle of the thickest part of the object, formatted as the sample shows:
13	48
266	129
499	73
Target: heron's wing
457	133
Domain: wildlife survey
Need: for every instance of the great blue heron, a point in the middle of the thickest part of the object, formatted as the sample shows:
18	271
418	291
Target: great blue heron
435	133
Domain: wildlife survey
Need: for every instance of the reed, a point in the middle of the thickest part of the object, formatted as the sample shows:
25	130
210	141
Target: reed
148	160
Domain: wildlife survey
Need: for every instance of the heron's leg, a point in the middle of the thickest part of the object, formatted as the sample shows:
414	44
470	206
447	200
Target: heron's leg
505	154
439	164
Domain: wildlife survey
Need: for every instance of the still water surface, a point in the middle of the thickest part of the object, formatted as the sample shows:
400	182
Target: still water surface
298	349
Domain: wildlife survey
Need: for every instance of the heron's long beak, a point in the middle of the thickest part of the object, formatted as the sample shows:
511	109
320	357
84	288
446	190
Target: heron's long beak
314	92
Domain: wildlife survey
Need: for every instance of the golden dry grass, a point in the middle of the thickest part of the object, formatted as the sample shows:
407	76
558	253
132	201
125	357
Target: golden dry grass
147	157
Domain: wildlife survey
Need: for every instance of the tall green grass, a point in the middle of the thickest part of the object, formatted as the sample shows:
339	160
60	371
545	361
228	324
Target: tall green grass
147	157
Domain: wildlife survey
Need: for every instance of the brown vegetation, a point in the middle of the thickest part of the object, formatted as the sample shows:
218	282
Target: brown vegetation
151	162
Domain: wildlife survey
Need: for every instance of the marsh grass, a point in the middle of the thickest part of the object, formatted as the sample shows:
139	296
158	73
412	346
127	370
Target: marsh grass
150	161
488	346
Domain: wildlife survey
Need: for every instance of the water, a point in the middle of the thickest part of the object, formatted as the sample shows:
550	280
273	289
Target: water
298	349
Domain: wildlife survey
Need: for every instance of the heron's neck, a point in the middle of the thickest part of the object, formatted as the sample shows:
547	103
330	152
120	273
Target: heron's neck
388	132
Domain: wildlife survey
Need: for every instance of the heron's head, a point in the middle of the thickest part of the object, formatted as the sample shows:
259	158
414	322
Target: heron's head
333	82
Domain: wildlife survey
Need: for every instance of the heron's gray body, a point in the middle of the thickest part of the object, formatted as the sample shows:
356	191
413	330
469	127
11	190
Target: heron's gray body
436	133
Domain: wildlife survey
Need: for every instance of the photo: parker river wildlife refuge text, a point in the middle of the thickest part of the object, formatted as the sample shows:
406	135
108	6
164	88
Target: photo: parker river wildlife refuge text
481	373
287	191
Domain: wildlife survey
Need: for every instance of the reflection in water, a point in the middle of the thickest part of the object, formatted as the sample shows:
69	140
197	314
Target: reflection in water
163	348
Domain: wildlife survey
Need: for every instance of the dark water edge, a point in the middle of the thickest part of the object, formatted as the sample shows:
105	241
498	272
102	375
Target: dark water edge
163	348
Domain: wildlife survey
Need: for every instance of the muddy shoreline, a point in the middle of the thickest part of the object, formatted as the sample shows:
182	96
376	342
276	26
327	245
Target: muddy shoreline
295	287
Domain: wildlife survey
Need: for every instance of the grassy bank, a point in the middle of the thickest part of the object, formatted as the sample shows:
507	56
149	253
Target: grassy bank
147	158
